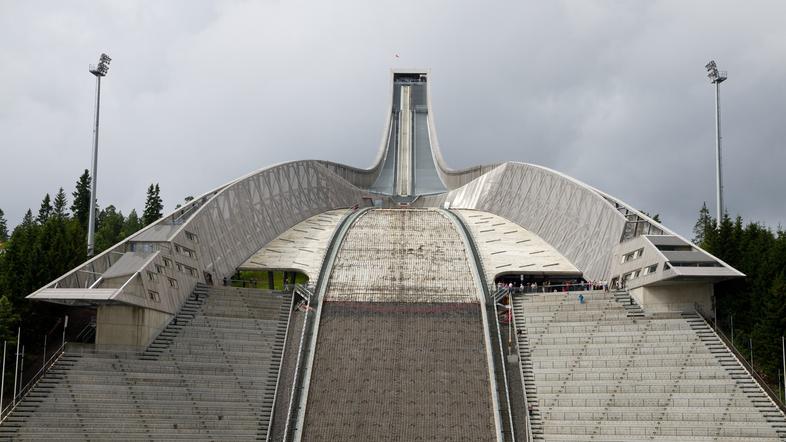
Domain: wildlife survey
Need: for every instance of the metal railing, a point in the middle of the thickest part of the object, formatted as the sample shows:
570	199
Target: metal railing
492	326
20	395
306	291
552	288
307	345
280	368
774	397
521	372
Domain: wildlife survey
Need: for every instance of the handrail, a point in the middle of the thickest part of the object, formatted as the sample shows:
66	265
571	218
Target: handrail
490	301
305	291
280	367
741	359
17	398
552	288
312	330
521	372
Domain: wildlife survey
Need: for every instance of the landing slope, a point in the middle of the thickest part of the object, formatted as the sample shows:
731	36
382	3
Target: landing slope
400	353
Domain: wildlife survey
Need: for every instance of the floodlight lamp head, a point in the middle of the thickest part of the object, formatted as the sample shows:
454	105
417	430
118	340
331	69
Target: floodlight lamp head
713	74
102	68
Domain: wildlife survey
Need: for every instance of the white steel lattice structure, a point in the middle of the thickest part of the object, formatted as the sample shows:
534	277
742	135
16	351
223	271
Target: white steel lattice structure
211	236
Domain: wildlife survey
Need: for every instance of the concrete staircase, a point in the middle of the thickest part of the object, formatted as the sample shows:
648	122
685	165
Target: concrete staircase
210	375
627	302
737	372
600	372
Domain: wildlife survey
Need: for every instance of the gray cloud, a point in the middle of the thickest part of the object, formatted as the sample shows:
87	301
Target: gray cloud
199	93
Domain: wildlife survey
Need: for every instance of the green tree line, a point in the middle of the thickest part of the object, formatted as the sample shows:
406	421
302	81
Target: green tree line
754	305
49	243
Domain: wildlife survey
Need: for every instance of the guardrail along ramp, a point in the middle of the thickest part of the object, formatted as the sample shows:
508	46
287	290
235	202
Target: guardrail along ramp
400	353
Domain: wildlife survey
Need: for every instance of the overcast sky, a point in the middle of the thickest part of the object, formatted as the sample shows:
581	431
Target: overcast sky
199	93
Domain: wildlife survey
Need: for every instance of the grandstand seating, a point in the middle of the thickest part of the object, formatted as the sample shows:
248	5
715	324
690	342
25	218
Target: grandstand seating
602	371
210	375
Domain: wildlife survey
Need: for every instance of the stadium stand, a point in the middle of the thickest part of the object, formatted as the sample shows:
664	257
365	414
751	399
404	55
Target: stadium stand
599	371
210	375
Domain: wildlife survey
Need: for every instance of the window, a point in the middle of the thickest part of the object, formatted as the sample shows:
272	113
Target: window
632	255
154	296
172	282
151	276
191	237
651	269
167	262
675	248
188	252
178	249
695	264
159	268
179	267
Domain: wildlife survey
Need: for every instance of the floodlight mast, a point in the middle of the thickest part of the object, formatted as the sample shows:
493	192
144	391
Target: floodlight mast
99	70
717	77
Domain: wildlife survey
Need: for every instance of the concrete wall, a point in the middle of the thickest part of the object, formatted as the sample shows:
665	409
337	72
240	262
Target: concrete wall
674	297
127	328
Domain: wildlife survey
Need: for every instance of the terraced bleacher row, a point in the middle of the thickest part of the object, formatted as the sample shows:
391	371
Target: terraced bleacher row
210	375
601	371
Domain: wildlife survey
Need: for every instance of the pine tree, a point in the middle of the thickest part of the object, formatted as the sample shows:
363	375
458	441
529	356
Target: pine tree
81	206
131	225
770	326
20	260
703	225
59	206
8	319
45	211
28	218
109	230
3	227
153	205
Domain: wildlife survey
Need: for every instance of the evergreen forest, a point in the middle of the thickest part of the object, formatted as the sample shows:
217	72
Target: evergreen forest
48	243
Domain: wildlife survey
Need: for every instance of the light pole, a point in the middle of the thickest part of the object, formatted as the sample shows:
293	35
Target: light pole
717	77
99	70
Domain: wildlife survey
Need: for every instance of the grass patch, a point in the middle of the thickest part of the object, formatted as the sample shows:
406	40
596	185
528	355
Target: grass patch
259	279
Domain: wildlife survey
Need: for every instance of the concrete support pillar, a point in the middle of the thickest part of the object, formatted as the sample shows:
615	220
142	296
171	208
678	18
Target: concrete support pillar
125	327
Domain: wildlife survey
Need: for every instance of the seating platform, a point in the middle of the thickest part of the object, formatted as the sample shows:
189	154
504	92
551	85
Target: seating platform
210	375
599	371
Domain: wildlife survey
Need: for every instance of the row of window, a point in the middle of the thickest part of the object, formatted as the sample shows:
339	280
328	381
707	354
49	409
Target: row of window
640	272
153	277
191	236
183	268
185	251
632	255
